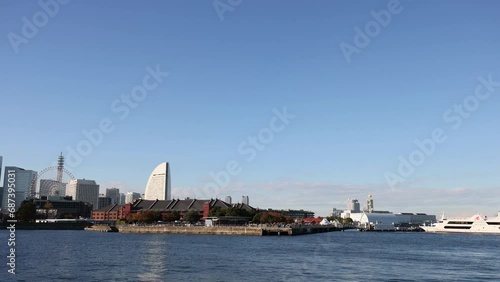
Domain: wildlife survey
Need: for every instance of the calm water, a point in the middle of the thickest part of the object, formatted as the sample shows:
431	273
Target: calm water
337	256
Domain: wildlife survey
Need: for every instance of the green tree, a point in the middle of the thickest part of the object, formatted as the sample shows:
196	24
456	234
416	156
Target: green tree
26	212
192	216
171	216
271	217
131	218
335	218
256	218
230	211
144	217
216	212
149	216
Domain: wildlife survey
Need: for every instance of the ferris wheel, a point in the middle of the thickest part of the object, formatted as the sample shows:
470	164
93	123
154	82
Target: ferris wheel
52	186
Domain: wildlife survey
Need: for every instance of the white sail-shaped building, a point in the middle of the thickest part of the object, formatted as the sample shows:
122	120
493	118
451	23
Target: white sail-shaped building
158	187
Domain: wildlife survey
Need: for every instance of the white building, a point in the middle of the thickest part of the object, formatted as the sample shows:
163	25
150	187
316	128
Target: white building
245	200
228	199
84	190
379	221
386	220
353	206
131	196
158	186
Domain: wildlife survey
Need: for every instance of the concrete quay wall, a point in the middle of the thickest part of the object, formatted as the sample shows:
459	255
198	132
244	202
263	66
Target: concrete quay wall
101	228
192	230
313	229
298	230
252	231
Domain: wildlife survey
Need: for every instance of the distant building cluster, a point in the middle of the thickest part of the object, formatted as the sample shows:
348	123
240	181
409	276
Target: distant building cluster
33	187
81	198
370	218
75	198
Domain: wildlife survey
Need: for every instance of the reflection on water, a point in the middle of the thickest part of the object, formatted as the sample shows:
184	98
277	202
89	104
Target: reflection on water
154	260
337	256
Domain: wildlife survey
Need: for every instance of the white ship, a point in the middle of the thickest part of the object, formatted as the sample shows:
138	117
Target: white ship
475	224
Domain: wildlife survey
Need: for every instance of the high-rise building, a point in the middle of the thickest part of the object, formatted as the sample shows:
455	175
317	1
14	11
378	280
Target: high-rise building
103	201
369	204
228	199
245	200
131	196
84	190
158	186
49	187
122	199
1	159
1	187
354	206
114	194
23	181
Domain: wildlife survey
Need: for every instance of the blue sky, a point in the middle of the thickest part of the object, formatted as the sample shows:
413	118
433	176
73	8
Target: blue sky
353	119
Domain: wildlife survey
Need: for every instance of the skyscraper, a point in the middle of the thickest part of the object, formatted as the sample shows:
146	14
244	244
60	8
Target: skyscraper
369	204
245	200
114	194
354	206
1	158
103	201
1	187
23	180
84	190
228	199
122	199
158	187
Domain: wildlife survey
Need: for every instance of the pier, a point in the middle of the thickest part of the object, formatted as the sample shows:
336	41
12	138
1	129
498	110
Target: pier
227	230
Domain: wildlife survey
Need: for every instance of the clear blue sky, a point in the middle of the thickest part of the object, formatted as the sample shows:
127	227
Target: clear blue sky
353	120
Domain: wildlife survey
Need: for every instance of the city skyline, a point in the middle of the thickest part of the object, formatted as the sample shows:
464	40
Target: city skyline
351	193
305	110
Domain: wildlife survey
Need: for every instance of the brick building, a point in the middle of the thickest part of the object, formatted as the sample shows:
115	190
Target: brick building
114	212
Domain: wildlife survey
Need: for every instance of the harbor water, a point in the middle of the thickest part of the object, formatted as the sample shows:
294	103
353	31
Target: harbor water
336	256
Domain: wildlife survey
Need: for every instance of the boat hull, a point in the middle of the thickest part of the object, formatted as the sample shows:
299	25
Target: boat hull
476	224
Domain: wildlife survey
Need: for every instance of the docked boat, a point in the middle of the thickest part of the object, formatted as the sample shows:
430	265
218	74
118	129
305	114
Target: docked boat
475	224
